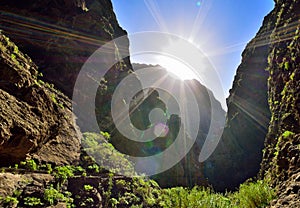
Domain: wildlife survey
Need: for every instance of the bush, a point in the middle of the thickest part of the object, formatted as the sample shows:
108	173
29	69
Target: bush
52	196
106	155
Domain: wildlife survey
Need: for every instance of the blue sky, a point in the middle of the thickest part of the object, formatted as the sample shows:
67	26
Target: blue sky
219	28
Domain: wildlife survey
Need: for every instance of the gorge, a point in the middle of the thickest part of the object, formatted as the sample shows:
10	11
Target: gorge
44	146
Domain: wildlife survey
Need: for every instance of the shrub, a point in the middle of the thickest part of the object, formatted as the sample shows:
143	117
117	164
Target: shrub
52	196
64	172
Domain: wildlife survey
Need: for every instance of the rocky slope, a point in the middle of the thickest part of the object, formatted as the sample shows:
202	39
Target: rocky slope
36	120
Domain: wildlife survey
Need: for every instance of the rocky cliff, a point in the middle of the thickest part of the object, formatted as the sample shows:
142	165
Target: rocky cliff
36	120
188	171
60	35
281	161
263	111
239	152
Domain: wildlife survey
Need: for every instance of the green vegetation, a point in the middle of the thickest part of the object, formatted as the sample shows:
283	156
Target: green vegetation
119	191
249	195
287	134
29	165
100	150
9	200
62	173
106	135
13	56
32	201
52	196
53	98
88	187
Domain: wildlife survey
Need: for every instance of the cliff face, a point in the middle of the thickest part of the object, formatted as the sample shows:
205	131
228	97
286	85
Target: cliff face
263	107
60	35
188	171
281	161
239	152
36	120
263	111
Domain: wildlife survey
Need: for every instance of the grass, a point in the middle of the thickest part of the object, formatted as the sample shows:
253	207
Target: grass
249	195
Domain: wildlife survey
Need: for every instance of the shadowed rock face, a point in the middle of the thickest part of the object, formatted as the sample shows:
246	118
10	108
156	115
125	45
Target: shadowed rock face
188	171
239	152
60	35
36	120
281	159
263	111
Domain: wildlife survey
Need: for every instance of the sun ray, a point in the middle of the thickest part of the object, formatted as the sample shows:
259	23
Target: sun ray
200	18
40	31
283	33
253	112
156	14
140	100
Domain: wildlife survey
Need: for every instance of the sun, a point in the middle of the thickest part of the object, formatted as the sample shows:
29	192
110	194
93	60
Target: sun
176	67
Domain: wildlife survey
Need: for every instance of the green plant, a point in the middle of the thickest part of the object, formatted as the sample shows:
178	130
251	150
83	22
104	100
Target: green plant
29	164
61	105
249	195
13	56
107	193
32	201
287	134
106	135
52	196
88	187
17	193
63	172
114	202
16	50
105	154
253	194
94	168
88	201
11	200
53	98
47	167
121	183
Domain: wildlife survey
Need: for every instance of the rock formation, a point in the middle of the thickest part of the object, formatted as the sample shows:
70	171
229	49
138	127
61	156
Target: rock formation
189	171
36	120
60	35
281	159
239	153
263	111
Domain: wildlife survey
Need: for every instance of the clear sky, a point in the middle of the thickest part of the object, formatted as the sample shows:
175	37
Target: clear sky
219	28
